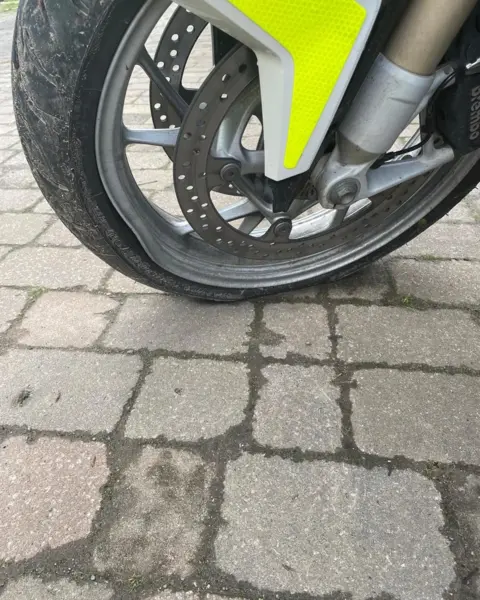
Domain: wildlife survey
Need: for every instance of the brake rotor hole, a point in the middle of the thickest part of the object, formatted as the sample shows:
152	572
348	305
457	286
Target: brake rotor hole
187	136
226	77
190	29
189	188
175	37
173	53
157	106
163	118
161	64
202	105
175	68
242	68
223	97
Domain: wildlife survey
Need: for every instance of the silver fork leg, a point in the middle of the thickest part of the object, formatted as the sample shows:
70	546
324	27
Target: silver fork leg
396	89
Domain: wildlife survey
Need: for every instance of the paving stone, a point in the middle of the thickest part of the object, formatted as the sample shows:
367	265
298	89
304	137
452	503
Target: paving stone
295	328
414	415
450	282
444	241
11	304
63	319
153	178
189	400
58	235
65	391
21	229
44	484
119	284
403	336
461	213
8	130
308	293
371	284
5	155
52	268
167	595
7	118
16	160
475	208
17	200
17	178
297	409
148	160
466	503
8	141
44	207
181	325
30	588
4	250
155	515
333	529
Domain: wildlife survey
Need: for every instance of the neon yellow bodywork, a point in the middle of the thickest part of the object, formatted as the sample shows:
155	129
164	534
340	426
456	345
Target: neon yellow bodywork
319	35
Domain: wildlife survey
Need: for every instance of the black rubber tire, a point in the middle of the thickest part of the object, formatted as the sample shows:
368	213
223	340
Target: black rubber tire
61	55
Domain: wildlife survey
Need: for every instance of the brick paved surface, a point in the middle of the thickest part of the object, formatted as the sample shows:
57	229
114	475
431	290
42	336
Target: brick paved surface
323	444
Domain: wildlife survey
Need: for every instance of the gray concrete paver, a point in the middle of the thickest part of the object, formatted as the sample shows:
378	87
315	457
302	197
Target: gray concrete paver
44	484
333	529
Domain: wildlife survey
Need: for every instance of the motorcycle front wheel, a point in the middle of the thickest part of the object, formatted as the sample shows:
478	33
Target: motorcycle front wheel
77	72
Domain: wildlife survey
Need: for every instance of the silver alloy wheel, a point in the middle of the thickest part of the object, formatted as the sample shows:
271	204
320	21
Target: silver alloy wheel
170	242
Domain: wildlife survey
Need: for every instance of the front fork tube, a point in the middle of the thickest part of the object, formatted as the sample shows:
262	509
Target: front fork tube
393	93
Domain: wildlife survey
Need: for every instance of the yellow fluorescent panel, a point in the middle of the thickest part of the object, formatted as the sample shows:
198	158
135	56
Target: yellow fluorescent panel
319	35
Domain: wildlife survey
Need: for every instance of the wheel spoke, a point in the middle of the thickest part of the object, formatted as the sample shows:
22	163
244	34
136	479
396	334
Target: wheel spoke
151	137
245	208
146	62
339	218
251	223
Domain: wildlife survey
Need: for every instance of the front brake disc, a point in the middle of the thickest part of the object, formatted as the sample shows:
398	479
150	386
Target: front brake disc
198	167
174	49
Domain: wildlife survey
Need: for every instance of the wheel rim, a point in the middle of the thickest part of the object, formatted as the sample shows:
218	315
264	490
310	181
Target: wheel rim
185	254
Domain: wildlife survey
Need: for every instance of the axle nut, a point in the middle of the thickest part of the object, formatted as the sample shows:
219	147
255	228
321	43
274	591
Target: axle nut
345	192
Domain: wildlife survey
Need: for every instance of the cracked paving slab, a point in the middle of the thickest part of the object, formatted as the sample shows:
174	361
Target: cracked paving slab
153	520
329	528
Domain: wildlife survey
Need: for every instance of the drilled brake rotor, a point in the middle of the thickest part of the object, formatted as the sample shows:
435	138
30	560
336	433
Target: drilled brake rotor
197	170
174	49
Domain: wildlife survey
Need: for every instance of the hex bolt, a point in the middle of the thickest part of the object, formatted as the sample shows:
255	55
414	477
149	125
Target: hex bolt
282	229
229	172
345	192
